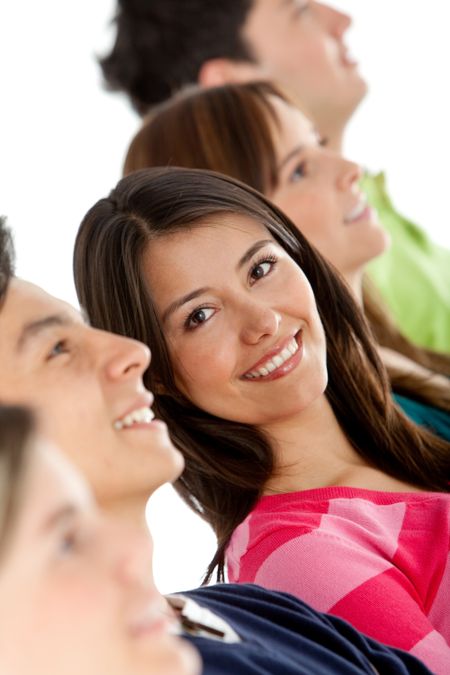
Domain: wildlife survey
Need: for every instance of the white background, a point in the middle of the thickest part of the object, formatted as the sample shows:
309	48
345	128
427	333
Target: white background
63	139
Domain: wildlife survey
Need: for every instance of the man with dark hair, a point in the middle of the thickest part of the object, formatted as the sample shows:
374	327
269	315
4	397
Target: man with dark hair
162	46
6	259
78	379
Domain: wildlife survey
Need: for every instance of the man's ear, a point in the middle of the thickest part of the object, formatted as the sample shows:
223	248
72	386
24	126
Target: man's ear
216	72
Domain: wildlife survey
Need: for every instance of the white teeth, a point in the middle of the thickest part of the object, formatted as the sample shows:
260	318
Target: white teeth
275	362
139	416
356	211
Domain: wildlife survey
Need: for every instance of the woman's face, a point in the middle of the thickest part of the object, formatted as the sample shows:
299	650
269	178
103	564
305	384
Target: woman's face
76	591
240	320
319	192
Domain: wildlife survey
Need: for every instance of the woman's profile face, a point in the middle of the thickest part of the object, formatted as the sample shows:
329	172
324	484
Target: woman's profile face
76	592
240	320
319	192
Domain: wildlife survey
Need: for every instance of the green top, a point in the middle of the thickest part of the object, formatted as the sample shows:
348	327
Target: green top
413	276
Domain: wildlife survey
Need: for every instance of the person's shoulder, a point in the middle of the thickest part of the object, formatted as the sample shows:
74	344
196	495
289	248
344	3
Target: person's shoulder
250	601
237	593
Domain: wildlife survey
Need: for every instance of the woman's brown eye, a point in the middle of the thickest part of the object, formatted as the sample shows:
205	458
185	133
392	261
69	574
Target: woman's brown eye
199	316
299	172
261	270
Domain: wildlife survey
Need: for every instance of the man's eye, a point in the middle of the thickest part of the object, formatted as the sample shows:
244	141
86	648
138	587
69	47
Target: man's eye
199	316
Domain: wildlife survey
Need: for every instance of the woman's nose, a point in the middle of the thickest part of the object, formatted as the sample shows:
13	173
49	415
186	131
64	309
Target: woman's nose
259	321
348	173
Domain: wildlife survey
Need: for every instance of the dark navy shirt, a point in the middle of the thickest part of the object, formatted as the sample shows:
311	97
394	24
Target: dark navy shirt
282	635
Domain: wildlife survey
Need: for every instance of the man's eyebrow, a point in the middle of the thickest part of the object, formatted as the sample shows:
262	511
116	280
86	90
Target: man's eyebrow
293	153
34	328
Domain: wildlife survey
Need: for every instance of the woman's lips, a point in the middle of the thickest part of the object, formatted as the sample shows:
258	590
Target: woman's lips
278	364
361	212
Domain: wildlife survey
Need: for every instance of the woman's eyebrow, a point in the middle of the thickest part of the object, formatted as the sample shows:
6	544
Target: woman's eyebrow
176	304
295	151
248	255
61	515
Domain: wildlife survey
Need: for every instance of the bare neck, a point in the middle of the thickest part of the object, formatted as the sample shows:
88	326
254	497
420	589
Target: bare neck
130	510
355	281
311	450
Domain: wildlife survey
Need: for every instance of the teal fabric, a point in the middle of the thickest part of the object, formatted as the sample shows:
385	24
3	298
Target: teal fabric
413	276
434	419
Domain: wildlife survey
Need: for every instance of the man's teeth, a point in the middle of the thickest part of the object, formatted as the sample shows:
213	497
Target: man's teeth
275	362
139	416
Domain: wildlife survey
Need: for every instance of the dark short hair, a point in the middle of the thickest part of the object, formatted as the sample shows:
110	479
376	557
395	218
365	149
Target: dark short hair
228	463
7	258
161	45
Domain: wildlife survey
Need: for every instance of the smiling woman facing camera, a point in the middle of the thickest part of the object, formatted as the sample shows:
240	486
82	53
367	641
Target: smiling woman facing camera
253	133
75	591
263	366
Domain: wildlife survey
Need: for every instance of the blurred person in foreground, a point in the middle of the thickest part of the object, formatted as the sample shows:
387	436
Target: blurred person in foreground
86	388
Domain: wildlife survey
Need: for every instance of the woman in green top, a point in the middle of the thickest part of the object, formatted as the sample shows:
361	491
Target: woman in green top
252	132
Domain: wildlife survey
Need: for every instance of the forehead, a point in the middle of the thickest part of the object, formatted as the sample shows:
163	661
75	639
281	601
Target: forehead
216	236
25	303
202	255
50	483
292	120
266	14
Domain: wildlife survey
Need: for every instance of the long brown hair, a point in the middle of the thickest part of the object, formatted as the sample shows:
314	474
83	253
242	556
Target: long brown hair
16	427
228	129
228	463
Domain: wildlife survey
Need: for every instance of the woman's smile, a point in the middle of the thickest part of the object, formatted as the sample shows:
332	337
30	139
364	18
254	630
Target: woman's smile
278	362
230	324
